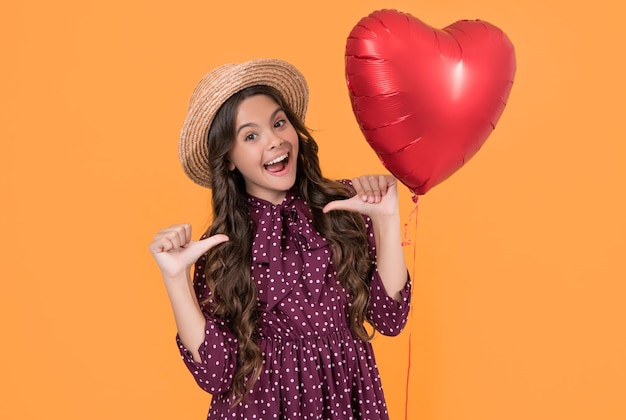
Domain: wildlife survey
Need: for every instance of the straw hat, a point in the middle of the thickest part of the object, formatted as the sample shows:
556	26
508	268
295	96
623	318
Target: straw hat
219	85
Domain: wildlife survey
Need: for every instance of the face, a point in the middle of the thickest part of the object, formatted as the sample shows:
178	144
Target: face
265	149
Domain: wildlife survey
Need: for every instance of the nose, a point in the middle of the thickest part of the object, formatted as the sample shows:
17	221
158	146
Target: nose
274	141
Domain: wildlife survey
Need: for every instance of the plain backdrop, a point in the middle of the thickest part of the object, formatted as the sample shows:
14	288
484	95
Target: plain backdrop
518	259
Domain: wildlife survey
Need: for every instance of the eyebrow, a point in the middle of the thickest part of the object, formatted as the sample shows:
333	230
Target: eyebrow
241	127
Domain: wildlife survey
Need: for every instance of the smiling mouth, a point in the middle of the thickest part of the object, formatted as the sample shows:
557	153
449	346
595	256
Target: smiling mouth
278	164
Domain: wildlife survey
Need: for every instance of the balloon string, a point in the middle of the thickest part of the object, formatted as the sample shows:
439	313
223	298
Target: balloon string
407	240
408	369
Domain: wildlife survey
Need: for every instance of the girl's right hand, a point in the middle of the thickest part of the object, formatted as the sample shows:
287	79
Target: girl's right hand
175	252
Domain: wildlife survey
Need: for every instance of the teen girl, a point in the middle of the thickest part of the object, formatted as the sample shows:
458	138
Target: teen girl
272	324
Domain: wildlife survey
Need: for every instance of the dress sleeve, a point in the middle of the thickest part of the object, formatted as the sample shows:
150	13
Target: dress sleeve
218	351
387	315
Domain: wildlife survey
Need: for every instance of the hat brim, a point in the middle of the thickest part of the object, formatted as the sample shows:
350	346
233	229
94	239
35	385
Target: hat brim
219	85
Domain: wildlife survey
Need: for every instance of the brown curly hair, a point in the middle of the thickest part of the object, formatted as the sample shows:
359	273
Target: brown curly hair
228	270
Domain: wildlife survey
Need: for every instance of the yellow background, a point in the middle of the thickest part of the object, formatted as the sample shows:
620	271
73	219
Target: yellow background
519	271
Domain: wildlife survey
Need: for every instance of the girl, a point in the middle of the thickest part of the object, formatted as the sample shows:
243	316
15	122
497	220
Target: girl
293	264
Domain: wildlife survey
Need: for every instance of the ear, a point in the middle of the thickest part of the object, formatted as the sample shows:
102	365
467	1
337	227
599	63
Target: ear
231	166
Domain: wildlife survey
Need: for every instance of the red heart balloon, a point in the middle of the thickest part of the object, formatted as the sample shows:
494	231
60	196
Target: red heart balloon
427	99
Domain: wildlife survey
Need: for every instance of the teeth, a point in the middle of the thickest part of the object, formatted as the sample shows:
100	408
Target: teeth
278	159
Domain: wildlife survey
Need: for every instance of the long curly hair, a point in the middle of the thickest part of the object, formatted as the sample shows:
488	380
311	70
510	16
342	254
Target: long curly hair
233	294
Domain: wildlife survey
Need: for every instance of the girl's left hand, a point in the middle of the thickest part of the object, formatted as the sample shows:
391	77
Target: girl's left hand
376	195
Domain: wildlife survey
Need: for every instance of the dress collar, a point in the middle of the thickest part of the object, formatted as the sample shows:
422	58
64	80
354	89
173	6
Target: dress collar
291	218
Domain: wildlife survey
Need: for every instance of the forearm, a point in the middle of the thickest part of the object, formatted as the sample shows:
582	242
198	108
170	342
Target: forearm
190	321
390	255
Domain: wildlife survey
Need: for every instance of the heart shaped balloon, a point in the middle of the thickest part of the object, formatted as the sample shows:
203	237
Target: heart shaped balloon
426	99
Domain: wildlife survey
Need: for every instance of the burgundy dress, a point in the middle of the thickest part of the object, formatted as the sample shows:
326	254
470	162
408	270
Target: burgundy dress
314	367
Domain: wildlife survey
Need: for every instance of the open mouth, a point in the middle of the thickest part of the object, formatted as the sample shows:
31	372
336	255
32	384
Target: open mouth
278	164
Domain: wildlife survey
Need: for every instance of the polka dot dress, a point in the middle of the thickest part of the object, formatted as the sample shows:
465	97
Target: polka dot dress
314	367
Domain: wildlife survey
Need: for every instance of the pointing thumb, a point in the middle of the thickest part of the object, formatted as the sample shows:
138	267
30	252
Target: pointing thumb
202	246
347	204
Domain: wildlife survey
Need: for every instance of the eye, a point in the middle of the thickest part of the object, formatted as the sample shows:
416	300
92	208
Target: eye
280	123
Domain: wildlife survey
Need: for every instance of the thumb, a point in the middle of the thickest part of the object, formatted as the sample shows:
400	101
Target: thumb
350	204
198	248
